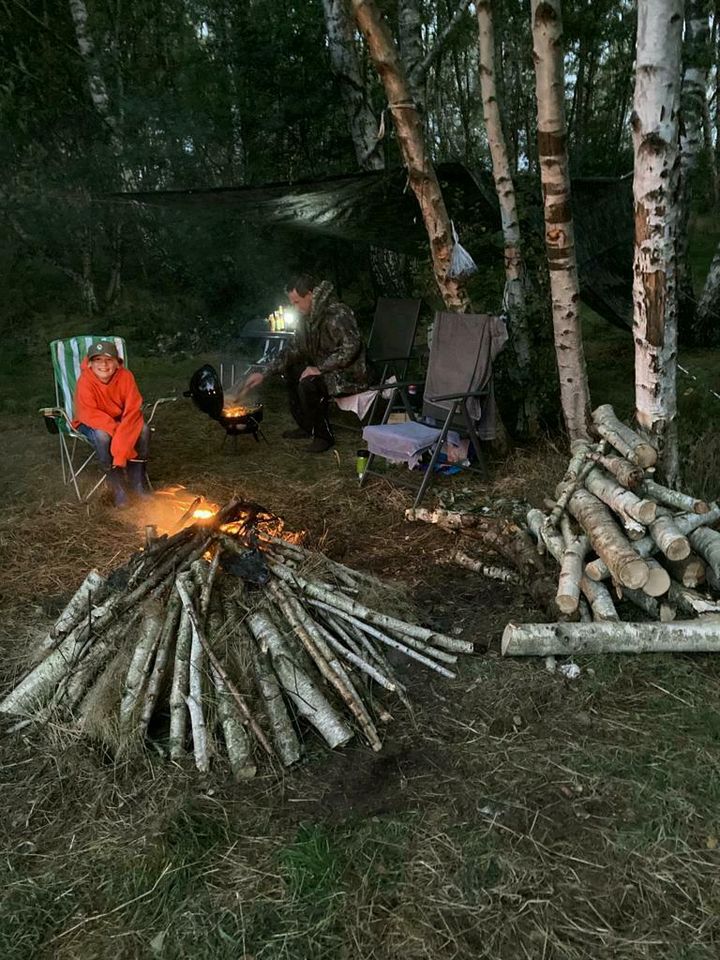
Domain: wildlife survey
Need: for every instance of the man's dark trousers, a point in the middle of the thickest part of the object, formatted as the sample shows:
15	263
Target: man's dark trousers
309	402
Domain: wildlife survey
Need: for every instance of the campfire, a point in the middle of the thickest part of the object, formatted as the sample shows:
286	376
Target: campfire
228	636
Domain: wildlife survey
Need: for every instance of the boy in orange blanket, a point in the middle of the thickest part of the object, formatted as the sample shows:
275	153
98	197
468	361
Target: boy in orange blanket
108	412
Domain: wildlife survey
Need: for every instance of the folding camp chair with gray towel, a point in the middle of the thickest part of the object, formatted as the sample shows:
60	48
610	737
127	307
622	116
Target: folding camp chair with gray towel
67	356
458	387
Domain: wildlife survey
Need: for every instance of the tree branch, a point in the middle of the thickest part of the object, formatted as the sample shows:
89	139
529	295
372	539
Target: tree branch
431	56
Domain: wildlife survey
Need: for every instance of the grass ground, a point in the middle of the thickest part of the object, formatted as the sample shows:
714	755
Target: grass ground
513	814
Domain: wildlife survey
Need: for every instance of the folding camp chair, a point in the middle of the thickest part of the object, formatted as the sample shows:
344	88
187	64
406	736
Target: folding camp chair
389	349
67	356
458	385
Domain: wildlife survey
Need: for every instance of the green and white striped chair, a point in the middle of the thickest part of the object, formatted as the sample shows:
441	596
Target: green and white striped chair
67	356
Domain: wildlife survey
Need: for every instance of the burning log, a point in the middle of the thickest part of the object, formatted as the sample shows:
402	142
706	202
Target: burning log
166	650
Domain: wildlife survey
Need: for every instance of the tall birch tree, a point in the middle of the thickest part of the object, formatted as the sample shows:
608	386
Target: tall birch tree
656	184
353	90
696	57
515	276
559	230
409	129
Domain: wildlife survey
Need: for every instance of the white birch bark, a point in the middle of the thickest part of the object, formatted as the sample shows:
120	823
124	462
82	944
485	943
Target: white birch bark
655	125
416	156
515	276
558	639
696	56
346	67
559	230
707	320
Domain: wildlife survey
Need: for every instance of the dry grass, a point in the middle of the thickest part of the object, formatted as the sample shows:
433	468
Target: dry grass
514	815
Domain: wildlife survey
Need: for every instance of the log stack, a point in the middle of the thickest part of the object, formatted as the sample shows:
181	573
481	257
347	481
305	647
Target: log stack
616	534
230	638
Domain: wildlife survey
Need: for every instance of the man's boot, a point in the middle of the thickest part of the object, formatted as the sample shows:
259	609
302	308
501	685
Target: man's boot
117	488
137	478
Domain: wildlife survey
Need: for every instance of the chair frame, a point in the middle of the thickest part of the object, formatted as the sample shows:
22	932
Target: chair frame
69	437
459	405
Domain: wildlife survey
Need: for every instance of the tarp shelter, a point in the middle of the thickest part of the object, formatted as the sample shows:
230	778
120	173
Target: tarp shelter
380	209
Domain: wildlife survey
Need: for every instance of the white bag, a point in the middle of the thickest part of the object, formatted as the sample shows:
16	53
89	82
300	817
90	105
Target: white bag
461	263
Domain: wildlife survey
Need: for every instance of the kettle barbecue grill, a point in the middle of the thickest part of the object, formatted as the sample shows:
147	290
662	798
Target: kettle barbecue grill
206	392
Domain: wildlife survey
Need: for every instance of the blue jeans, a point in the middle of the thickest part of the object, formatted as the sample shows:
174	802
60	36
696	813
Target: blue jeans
102	440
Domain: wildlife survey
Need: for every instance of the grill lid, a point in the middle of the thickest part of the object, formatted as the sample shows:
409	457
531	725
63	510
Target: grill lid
206	391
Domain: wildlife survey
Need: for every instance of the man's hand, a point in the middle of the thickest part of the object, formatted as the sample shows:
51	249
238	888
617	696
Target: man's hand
252	381
310	372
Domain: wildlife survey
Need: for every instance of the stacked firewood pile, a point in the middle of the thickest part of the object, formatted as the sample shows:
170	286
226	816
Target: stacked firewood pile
639	563
227	633
617	534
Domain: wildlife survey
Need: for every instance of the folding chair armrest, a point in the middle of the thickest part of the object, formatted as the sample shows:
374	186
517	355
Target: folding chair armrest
459	396
157	404
57	413
390	384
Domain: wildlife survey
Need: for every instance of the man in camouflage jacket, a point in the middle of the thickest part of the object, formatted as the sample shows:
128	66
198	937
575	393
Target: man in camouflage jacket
327	360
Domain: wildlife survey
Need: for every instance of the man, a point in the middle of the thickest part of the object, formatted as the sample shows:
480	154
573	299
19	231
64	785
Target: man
327	360
108	411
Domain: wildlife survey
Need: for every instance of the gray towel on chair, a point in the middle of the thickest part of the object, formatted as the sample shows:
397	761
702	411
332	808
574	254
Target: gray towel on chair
464	346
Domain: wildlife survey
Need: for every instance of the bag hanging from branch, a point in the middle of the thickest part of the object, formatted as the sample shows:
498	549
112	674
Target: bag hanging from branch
461	263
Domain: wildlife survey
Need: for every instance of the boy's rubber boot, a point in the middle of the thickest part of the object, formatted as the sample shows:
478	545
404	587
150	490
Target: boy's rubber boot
137	478
117	488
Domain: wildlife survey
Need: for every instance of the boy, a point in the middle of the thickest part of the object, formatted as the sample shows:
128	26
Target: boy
108	412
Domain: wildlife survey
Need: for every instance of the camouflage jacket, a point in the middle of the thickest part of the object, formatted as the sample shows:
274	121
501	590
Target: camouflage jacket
328	338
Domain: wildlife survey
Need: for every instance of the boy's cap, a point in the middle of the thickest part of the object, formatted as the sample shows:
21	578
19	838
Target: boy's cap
103	348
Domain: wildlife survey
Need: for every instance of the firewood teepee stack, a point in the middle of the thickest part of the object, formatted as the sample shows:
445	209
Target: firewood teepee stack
617	534
225	636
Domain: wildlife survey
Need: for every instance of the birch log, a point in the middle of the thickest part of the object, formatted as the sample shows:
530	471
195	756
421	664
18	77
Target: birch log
559	229
237	742
608	540
561	639
284	737
673	498
690	572
658	610
627	473
620	499
600	600
306	695
139	669
691	602
571	571
91	591
658	581
668	537
707	544
655	126
626	441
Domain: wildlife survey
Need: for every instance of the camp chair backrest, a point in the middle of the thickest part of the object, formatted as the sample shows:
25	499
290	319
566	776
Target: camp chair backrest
393	330
460	359
67	356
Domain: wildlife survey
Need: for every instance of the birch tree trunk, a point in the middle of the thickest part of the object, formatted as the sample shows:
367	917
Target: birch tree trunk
559	230
655	187
411	140
346	67
707	316
515	276
696	66
111	119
